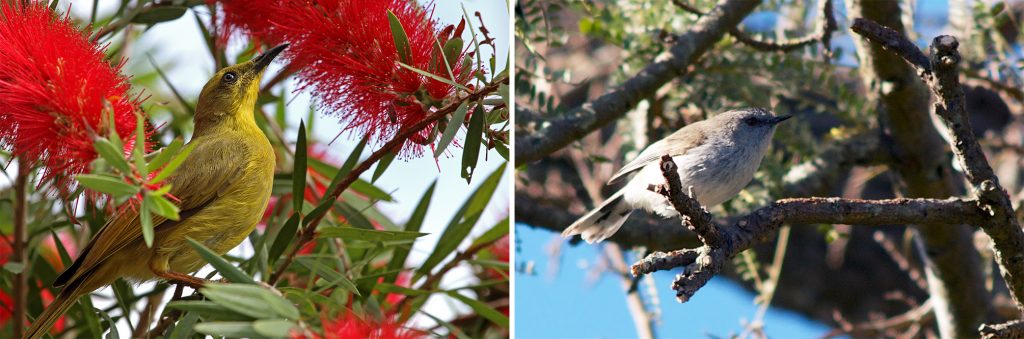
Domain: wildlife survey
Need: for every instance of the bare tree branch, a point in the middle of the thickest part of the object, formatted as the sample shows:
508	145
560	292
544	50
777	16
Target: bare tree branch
578	122
941	74
703	263
923	164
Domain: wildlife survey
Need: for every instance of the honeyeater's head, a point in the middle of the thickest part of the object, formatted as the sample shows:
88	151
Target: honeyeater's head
232	91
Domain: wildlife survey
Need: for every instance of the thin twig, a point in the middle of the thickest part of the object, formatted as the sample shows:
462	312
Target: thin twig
823	33
20	289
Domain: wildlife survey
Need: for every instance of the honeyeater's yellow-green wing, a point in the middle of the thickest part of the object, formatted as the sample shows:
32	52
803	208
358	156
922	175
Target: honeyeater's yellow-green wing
207	172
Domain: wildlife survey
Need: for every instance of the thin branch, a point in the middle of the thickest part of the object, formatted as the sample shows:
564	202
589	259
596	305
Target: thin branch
580	121
1012	329
940	72
823	33
694	216
703	263
20	288
917	315
634	302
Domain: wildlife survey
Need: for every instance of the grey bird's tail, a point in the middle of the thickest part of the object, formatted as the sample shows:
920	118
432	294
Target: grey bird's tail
603	221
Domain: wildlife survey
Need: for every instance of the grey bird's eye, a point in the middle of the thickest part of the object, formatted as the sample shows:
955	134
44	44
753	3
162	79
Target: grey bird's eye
750	121
230	77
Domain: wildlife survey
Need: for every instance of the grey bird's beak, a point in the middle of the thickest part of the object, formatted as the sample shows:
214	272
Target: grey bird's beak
777	120
263	60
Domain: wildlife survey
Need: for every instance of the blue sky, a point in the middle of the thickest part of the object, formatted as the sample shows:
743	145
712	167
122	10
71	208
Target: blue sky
568	304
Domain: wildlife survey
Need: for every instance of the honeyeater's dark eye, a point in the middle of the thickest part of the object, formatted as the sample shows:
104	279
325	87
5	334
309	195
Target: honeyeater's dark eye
750	121
230	77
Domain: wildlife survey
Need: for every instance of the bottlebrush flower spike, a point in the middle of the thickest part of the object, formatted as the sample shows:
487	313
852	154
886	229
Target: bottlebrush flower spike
346	56
54	89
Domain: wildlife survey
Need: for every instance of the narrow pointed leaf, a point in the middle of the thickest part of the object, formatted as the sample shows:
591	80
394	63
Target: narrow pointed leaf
400	37
225	268
173	164
382	166
284	237
482	309
113	155
453	126
299	169
106	184
471	152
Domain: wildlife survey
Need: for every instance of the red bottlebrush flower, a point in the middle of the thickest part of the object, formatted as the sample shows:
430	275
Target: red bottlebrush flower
54	89
346	56
6	307
351	326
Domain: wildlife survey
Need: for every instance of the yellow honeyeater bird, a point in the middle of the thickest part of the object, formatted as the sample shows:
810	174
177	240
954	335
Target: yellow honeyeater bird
223	187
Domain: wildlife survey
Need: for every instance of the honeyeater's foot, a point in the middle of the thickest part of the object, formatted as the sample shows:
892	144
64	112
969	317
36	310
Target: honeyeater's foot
182	279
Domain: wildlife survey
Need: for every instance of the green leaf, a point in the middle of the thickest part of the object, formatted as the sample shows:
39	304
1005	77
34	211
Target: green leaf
449	132
471	152
274	328
299	169
499	230
226	269
250	300
482	309
139	155
173	165
112	155
162	207
123	294
146	221
352	233
284	237
413	225
400	37
113	327
328	273
382	165
370	191
106	184
452	50
463	220
14	267
392	288
347	167
159	14
433	76
353	216
184	327
230	329
165	155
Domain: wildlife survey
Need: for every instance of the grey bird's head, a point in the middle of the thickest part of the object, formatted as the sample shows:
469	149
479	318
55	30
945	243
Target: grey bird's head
752	124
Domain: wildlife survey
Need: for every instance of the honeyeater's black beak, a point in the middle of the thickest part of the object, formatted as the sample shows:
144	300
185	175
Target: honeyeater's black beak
263	60
776	120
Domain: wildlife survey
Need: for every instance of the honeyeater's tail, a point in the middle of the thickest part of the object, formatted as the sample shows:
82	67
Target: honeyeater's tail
60	305
603	221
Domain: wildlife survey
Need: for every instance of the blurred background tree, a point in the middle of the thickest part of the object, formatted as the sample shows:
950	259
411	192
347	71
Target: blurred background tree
862	129
379	224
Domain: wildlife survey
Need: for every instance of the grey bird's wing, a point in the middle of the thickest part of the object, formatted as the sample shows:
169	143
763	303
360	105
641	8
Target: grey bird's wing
675	144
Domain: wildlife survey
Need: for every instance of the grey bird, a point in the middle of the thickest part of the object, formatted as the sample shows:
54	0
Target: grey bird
717	157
